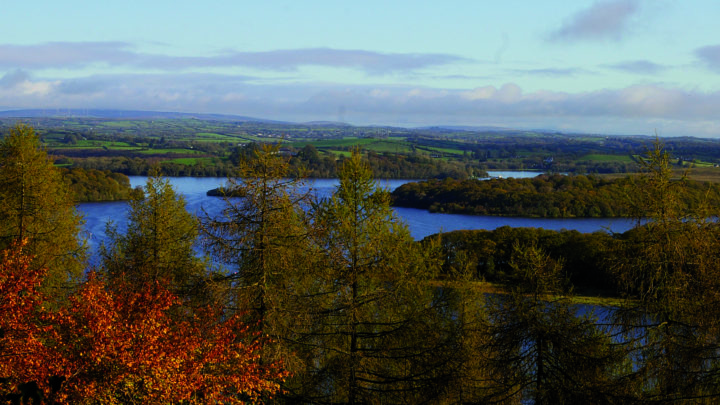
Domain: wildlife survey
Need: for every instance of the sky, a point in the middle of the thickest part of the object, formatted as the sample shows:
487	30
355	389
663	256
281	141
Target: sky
608	66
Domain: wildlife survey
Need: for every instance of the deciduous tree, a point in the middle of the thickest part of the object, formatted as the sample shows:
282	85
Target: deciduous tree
379	330
261	239
540	348
159	241
24	354
261	233
35	204
668	266
122	345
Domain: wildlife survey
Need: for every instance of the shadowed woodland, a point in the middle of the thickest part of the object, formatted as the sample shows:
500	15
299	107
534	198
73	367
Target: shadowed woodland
330	301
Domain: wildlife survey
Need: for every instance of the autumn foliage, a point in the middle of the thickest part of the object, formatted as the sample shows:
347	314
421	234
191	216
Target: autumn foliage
122	345
23	354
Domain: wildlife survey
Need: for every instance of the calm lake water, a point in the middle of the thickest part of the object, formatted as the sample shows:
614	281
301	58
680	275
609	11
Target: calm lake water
421	223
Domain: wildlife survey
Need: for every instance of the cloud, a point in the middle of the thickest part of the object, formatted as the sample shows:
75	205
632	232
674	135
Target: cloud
643	67
710	56
633	109
76	54
64	54
14	78
20	83
603	20
551	72
365	60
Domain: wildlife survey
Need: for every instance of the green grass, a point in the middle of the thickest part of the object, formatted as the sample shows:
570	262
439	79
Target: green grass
441	150
700	164
388	146
252	138
598	300
189	161
231	140
166	151
337	143
607	158
213	137
124	148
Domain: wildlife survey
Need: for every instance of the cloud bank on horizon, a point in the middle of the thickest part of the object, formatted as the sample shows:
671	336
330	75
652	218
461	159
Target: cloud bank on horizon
618	67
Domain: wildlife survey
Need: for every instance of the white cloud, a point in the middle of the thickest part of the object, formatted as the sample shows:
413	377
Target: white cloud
480	93
637	109
21	84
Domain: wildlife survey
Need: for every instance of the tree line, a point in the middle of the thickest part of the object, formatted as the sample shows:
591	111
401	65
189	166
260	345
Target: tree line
306	300
91	185
307	159
545	196
480	255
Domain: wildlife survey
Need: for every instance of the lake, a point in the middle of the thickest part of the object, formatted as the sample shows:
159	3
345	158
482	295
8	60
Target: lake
420	222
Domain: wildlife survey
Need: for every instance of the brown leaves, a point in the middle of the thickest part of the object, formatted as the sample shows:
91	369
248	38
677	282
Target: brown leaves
125	345
22	350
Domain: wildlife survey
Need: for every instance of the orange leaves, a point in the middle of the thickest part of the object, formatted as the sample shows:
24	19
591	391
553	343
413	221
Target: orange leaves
133	347
125	345
22	352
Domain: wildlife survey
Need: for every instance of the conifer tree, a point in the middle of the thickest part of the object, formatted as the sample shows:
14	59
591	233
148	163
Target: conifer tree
379	332
540	348
159	242
35	204
261	239
668	266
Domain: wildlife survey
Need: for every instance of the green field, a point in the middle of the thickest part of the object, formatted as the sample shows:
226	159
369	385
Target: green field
389	147
334	143
168	151
483	149
607	158
190	161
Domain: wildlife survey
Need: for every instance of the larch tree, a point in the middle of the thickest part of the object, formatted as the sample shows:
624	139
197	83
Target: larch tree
379	331
261	240
668	266
159	242
540	348
35	204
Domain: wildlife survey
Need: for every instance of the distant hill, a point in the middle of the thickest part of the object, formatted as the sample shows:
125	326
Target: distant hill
124	114
326	123
468	128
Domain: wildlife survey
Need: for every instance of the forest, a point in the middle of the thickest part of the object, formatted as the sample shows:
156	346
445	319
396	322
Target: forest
325	301
91	185
545	196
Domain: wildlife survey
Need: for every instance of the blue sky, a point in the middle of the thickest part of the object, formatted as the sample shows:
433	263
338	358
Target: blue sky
616	67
